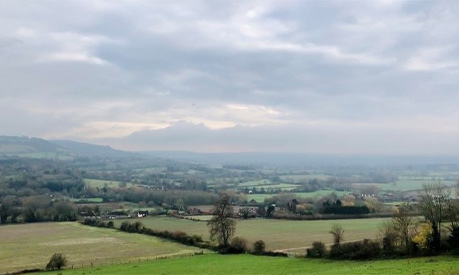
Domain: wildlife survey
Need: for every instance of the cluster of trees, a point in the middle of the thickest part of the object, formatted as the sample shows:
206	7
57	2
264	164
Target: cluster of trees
438	232
29	177
405	234
339	209
154	197
36	209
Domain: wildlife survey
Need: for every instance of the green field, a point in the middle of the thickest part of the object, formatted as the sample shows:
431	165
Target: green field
260	198
47	155
254	183
296	178
88	200
101	183
248	264
29	246
408	184
280	186
402	184
291	236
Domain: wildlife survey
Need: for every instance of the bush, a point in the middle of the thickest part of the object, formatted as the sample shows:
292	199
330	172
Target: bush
180	236
360	250
259	247
124	226
197	239
238	245
57	261
101	224
110	224
136	227
318	250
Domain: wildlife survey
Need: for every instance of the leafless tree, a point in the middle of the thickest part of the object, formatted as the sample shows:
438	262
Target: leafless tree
222	226
403	224
338	232
434	205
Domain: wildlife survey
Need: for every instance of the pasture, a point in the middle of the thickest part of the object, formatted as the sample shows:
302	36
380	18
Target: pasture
102	183
87	200
27	246
249	264
301	177
285	235
260	198
404	184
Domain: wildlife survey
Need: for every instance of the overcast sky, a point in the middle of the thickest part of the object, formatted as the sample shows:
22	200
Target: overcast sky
364	77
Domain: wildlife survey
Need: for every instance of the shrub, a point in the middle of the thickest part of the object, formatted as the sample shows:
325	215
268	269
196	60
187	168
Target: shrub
136	227
57	261
238	245
259	247
110	224
124	226
318	250
360	250
101	224
180	236
197	239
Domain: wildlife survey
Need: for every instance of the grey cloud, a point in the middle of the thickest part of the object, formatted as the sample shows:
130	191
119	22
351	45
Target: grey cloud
302	63
358	139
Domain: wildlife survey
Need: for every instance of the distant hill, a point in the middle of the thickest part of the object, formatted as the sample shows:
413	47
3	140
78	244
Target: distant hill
26	145
90	150
41	148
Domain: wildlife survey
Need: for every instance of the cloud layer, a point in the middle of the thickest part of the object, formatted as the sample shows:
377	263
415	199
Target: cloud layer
298	76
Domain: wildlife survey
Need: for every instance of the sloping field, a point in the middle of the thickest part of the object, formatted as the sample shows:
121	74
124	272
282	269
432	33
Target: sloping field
260	198
286	235
248	264
29	246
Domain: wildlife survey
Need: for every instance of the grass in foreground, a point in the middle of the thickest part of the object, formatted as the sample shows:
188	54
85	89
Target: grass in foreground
248	264
29	246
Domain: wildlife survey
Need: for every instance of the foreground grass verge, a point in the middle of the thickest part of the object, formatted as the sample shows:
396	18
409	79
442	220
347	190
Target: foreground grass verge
28	246
249	264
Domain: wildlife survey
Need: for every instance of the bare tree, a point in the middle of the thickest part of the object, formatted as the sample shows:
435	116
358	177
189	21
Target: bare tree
403	224
222	226
452	210
434	204
338	232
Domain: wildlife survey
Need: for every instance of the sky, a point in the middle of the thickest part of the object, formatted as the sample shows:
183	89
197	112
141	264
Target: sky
344	77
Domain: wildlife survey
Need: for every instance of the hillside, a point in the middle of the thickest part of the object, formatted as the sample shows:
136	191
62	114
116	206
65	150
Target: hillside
11	145
89	150
41	148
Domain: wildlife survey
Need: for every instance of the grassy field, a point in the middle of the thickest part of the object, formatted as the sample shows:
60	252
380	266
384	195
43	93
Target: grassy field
28	246
402	184
88	200
291	236
296	178
47	155
280	186
316	194
101	183
254	183
248	264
